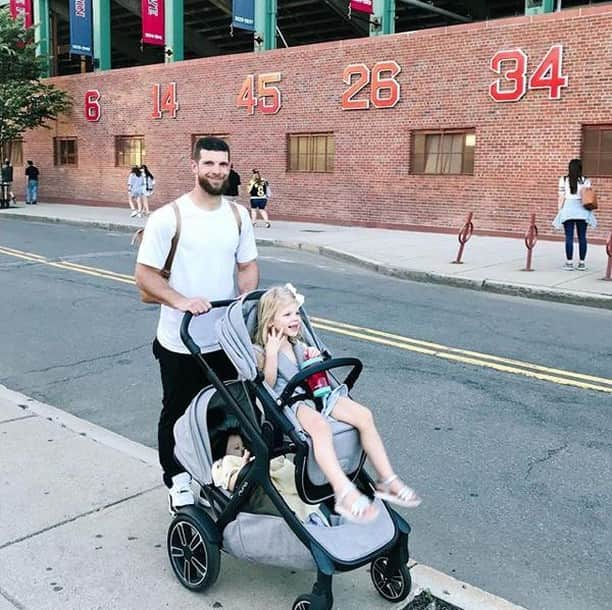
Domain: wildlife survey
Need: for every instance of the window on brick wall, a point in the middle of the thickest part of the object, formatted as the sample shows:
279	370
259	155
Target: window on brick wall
65	151
13	151
597	150
129	150
196	136
443	152
311	152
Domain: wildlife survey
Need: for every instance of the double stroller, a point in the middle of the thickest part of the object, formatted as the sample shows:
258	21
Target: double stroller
224	521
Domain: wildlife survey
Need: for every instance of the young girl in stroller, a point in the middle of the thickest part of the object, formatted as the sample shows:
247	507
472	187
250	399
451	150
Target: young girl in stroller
278	336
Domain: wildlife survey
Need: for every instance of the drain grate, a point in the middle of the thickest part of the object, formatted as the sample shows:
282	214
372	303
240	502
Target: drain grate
426	601
311	231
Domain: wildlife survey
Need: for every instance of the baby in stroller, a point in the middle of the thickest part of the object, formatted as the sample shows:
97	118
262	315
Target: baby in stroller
278	337
231	456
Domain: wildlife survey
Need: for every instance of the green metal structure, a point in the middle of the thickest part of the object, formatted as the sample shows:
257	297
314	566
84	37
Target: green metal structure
102	34
537	7
265	25
41	34
175	36
383	19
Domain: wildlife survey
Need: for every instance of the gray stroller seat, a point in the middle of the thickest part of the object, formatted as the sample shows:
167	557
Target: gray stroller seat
234	332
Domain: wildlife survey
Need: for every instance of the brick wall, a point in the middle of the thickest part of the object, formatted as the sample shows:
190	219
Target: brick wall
522	147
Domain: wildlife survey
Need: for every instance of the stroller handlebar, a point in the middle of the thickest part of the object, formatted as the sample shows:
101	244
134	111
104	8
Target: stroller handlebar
186	338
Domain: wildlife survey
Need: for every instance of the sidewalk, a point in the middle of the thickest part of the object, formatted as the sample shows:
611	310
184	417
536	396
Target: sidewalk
83	523
490	263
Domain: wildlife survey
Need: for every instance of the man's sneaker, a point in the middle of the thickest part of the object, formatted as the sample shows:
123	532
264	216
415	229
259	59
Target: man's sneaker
568	266
582	266
180	493
134	213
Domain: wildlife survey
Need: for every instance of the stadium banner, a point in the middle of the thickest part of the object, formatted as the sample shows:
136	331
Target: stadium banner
243	14
22	7
153	23
362	6
81	29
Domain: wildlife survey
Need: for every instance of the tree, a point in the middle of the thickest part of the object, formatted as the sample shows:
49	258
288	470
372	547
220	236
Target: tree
25	101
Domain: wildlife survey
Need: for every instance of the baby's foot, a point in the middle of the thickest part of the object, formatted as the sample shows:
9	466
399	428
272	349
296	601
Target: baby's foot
394	490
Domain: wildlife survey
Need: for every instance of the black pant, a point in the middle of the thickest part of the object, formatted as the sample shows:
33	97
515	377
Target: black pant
182	378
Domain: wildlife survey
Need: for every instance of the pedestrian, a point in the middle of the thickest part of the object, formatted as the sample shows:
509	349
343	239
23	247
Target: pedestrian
278	337
259	192
149	187
216	242
135	184
572	214
233	185
7	180
32	173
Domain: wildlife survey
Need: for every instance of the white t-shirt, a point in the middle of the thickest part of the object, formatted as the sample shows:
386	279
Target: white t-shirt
204	264
564	187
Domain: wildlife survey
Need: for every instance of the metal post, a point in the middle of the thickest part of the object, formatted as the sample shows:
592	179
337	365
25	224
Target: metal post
175	35
464	235
101	35
384	13
531	238
609	253
41	34
265	25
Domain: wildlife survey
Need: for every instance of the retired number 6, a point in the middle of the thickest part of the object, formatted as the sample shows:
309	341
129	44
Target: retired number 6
93	111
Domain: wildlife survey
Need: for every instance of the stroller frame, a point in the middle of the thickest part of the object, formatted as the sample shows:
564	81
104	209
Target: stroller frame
193	525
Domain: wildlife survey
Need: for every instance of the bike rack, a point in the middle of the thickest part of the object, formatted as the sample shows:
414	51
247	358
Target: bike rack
464	235
531	238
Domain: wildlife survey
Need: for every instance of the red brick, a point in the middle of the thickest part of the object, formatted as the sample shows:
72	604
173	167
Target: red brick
521	150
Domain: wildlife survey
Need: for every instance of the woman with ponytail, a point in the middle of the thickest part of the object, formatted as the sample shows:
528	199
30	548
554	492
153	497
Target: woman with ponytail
572	214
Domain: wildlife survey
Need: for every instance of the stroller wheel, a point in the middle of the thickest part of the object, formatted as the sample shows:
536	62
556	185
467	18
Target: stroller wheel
309	601
394	587
193	557
303	602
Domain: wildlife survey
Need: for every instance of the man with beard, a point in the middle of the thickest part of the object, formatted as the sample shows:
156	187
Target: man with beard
215	259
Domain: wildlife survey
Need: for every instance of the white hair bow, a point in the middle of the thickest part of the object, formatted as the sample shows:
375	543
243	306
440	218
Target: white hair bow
298	297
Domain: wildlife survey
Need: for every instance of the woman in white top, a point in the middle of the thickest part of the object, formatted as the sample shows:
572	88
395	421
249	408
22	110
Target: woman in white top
573	214
136	188
149	187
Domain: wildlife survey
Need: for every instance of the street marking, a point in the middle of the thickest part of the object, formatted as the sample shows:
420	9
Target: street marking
464	356
505	365
94	271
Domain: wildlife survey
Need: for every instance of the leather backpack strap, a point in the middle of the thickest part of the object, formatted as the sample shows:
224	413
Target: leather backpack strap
237	216
165	272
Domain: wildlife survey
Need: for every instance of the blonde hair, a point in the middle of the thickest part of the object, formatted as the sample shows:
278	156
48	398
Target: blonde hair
269	305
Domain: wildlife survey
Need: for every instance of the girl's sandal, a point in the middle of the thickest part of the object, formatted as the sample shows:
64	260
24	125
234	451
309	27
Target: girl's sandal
405	497
357	511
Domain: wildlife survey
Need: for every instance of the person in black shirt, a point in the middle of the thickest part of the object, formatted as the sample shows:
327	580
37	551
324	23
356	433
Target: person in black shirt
233	184
32	174
7	180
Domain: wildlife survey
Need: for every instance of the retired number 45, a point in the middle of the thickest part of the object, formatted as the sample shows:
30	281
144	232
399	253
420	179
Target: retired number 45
261	93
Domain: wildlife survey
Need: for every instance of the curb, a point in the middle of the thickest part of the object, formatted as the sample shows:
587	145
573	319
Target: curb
97	224
528	291
495	286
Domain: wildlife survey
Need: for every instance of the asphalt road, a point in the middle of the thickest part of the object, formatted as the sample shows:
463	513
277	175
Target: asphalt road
516	472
